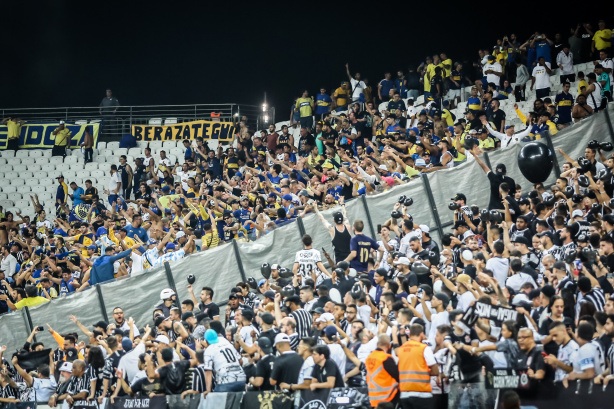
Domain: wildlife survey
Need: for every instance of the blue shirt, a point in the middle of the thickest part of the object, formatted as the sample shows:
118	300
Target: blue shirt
77	195
139	232
362	245
543	50
66	288
188	153
323	103
387	85
564	103
102	270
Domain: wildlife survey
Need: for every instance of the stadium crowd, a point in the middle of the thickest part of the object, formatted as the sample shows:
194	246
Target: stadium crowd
388	313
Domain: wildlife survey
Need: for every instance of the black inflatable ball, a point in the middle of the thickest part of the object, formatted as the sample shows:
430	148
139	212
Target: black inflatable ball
535	161
191	279
265	270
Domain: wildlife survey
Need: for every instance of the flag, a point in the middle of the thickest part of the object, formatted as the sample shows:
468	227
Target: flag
29	361
79	213
267	399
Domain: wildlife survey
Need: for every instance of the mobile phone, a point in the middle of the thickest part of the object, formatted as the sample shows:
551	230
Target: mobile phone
578	265
379	228
40	328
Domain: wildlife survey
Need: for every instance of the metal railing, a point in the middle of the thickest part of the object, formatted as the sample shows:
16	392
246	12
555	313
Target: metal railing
117	121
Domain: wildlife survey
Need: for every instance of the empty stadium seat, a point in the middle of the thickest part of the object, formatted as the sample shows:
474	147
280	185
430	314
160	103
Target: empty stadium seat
101	145
46	153
155	121
7	154
32	182
62	167
142	144
136	152
26	174
38	189
13	210
170	121
41	174
11	175
169	144
48	183
112	145
21	154
6	203
34	167
4	196
56	160
120	151
17	182
9	189
13	161
73	159
20	168
155	144
22	203
97	174
2	161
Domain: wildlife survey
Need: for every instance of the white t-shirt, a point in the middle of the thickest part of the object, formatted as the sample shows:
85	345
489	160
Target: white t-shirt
163	164
42	227
567	354
542	78
44	388
338	356
306	370
184	176
465	300
437	319
115	179
129	363
495	66
430	361
499	267
608	63
308	260
588	357
357	87
246	334
364	350
392	243
223	360
517	280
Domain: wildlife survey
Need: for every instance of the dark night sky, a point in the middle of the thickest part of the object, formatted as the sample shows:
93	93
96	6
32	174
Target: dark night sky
66	53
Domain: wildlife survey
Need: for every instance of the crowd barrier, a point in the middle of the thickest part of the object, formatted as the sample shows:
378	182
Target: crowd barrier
460	396
222	267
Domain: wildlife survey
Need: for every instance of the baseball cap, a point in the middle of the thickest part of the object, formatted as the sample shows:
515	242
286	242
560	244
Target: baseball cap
317	310
232	295
459	223
126	344
501	167
152	241
62	122
170	246
281	337
211	337
163	339
330	331
463	278
425	228
66	367
402	260
460	196
267	318
609	218
547	233
520	239
577	213
327	316
443	297
60	177
265	344
548	291
261	282
71	354
180	234
101	324
523	201
92	247
270	294
420	162
186	315
327	165
338	217
303	193
287	197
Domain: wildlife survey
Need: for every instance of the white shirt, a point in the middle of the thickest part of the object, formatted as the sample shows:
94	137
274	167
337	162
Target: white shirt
246	334
392	243
364	350
306	370
567	354
9	264
115	179
588	357
465	300
517	280
358	87
44	388
499	267
223	360
307	260
184	176
608	63
542	78
565	62
129	363
338	356
437	319
495	66
430	361
163	164
404	246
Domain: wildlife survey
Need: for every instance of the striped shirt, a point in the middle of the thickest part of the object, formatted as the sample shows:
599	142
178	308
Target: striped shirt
172	256
596	297
303	322
294	341
78	385
8	392
198	379
611	358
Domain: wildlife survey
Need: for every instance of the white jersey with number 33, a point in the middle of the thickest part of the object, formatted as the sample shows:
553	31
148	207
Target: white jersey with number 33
308	260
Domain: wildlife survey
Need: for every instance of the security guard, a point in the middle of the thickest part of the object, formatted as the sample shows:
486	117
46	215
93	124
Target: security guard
416	366
382	374
62	140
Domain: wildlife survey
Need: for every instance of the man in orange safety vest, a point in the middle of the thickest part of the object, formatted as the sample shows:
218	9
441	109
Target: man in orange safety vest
382	374
416	366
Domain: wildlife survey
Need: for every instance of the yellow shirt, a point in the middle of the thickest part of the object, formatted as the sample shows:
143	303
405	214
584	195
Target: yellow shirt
601	44
342	96
31	302
62	137
581	84
430	73
305	106
446	71
487	143
411	171
461	142
445	114
127	241
14	129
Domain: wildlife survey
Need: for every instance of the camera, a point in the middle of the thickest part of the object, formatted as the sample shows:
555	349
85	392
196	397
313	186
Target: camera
454	206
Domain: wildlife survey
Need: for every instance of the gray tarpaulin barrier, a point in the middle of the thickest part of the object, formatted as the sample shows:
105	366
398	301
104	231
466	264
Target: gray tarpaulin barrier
219	268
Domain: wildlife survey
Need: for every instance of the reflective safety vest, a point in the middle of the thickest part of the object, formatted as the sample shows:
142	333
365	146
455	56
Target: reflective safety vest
382	386
414	373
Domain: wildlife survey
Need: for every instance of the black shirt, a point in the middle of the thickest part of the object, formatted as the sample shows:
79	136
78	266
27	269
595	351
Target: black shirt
469	364
287	368
264	368
497	117
495	182
211	309
321	374
145	387
181	366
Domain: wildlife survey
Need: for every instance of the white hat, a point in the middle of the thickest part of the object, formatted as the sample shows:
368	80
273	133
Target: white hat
179	234
66	367
402	260
425	228
383	167
163	339
166	294
577	213
327	316
518	298
467	255
275	266
62	122
281	337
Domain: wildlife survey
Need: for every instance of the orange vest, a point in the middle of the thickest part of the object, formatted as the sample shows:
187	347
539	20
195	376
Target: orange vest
382	386
414	373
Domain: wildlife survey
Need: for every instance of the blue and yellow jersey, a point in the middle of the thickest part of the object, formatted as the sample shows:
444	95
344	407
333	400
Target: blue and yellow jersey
473	103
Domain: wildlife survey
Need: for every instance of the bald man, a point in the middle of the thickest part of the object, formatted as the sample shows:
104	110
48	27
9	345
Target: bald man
533	358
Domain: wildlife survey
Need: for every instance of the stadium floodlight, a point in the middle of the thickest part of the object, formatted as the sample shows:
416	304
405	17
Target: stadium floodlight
266	118
264	107
236	114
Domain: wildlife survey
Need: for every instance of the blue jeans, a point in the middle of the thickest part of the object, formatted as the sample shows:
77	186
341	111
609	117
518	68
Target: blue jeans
230	387
413	94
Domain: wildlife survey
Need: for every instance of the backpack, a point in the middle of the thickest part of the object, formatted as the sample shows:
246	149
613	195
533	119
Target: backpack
174	380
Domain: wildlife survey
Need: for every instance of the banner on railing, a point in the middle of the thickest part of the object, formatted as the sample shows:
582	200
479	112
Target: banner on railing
157	402
222	131
334	398
18	405
39	136
267	399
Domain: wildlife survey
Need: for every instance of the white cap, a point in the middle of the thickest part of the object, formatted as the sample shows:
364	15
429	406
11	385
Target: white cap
383	167
163	339
518	298
281	337
425	228
179	234
62	122
275	266
327	316
166	294
352	272
577	213
402	260
66	367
